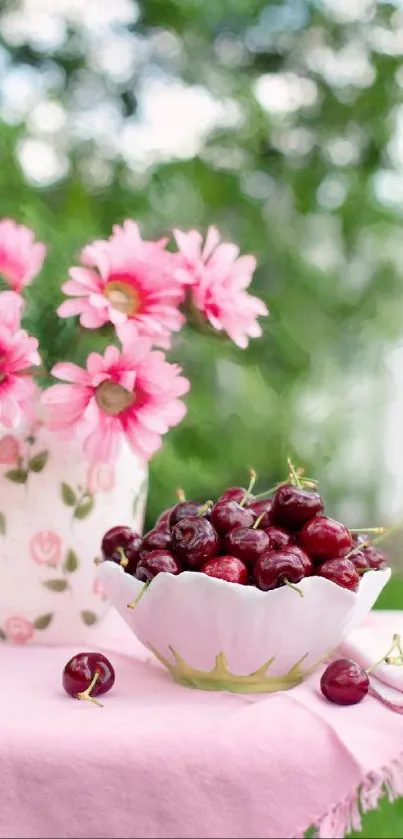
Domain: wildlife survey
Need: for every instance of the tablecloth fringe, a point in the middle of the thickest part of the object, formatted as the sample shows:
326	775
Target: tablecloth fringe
346	816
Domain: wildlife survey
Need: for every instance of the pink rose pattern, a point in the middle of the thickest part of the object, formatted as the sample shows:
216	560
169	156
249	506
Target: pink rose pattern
101	477
18	630
98	590
46	548
9	449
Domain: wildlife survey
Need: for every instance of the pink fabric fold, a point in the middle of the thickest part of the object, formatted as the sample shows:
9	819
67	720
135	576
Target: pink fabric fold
161	761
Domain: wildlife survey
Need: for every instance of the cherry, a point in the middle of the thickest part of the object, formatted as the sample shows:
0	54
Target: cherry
155	540
359	560
184	510
322	537
275	568
307	563
228	568
344	682
360	538
246	544
293	506
279	538
234	494
194	540
226	515
163	520
121	545
375	558
340	571
157	562
262	508
87	675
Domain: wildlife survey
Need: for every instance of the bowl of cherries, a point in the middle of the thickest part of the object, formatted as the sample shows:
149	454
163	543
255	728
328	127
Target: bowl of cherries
247	594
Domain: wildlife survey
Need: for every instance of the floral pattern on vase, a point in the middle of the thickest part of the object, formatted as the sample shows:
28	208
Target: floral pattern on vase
46	548
55	508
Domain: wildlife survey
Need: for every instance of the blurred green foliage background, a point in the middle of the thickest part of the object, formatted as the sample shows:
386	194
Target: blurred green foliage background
282	124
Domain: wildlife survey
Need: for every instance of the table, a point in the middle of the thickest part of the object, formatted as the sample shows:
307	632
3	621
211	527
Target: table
161	761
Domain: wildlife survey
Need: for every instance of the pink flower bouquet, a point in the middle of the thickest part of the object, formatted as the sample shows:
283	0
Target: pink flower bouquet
145	293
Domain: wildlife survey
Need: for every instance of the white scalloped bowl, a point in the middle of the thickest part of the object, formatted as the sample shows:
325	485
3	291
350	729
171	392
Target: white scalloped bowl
222	636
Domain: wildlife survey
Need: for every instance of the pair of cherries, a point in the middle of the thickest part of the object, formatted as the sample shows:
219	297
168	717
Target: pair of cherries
343	682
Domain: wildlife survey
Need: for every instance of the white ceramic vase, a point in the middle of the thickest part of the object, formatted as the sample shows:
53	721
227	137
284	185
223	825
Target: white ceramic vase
54	509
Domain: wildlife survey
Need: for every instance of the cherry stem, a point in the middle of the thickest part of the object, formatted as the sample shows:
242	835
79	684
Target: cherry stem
180	495
86	694
293	474
385	532
258	520
133	604
207	506
123	558
291	585
368	530
252	482
267	492
97	561
387	659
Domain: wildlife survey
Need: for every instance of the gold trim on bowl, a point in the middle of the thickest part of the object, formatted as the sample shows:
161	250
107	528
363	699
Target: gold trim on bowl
221	678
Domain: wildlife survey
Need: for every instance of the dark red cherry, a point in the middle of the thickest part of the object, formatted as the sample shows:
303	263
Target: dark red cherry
155	540
157	562
340	571
344	682
262	508
323	537
246	544
279	538
228	568
163	520
359	560
226	515
235	494
306	561
360	538
275	568
184	510
293	506
194	540
87	675
376	559
121	539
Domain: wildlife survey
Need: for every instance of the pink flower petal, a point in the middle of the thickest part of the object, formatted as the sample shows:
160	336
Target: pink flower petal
71	373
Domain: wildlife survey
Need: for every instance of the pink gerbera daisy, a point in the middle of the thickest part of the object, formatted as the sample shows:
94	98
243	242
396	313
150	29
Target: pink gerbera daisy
127	281
131	394
218	277
21	258
18	353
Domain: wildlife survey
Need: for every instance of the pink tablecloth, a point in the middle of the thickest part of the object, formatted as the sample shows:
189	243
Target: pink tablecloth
160	760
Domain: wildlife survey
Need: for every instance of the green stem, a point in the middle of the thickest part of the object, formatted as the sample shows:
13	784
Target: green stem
134	603
368	530
291	585
86	694
294	477
207	506
258	520
123	558
268	491
386	658
252	482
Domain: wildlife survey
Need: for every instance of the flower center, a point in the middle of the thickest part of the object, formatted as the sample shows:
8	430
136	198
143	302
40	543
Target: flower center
122	296
113	398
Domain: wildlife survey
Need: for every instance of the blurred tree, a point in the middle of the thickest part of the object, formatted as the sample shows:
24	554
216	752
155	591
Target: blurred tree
281	124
